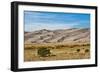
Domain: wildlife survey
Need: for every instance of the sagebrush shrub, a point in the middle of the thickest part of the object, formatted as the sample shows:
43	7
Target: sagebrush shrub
87	50
43	52
78	50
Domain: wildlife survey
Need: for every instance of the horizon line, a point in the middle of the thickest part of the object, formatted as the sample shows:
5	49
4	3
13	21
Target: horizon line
57	29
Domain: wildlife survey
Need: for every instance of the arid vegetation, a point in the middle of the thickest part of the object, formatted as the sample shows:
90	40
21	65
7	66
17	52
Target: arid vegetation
47	52
65	44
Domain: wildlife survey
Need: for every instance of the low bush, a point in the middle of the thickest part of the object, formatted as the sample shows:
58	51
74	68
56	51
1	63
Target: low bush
78	50
86	50
43	52
28	48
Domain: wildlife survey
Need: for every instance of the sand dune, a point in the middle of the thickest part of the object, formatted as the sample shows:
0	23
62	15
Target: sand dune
61	35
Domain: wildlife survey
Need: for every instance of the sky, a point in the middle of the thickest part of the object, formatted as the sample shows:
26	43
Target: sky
34	20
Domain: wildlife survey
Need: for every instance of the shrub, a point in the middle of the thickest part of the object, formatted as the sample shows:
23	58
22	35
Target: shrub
78	50
28	48
87	50
43	52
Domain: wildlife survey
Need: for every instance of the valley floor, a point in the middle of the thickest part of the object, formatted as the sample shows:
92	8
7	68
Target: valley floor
58	51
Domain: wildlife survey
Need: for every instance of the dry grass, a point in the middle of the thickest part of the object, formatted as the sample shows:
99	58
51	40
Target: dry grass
59	51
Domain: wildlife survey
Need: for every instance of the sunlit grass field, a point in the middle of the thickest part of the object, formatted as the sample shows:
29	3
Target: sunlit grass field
56	51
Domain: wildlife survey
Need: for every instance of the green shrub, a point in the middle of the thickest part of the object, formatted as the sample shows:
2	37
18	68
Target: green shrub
43	52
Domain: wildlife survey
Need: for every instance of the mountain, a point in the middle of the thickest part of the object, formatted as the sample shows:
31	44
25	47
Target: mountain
61	35
26	32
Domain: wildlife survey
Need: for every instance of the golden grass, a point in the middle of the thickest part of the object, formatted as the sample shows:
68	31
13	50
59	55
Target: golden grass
59	51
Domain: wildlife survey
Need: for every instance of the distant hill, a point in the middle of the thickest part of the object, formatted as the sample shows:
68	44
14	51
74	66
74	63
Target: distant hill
26	32
61	35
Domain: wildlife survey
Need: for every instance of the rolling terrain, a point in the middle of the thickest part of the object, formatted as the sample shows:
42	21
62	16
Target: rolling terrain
64	44
52	36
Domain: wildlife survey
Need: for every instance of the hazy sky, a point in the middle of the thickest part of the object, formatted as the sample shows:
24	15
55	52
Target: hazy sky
55	20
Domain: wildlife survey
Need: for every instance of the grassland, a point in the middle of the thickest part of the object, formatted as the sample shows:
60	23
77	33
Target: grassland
58	51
